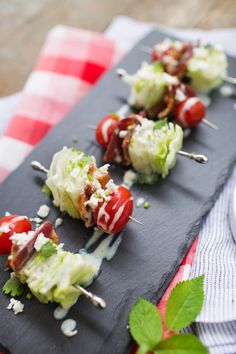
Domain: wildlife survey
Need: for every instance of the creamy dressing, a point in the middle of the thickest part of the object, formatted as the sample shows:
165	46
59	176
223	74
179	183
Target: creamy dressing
103	250
59	313
68	327
226	91
105	128
206	100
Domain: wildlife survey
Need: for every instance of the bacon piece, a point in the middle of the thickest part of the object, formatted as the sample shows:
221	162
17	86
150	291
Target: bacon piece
21	256
117	150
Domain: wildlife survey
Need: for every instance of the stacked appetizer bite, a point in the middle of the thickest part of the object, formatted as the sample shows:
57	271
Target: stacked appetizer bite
204	66
87	192
149	147
161	95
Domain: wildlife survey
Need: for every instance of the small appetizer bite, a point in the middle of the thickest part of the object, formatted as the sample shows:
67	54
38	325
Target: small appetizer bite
149	147
51	273
87	192
161	96
204	65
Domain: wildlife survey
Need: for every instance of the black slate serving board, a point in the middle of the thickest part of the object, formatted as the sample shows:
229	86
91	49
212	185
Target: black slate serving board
149	255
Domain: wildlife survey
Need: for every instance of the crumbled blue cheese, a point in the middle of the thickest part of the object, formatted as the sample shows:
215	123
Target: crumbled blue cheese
4	228
140	201
58	222
68	327
20	239
130	177
122	134
36	220
40	242
43	211
101	195
16	306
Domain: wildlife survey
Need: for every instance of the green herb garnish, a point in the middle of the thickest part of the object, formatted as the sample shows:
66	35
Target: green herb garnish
47	191
184	303
146	205
29	296
183	306
157	67
114	115
13	287
90	177
160	124
48	250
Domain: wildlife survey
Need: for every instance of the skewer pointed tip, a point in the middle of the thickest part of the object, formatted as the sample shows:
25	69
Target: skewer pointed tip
38	166
196	157
210	124
135	220
121	72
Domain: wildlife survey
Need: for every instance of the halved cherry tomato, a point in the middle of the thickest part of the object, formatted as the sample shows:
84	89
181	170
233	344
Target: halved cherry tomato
105	129
190	112
113	215
8	226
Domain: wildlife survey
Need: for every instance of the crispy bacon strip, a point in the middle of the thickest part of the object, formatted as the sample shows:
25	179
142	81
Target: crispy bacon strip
117	150
22	255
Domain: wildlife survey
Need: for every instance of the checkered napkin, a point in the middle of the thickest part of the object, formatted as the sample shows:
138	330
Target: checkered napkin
70	63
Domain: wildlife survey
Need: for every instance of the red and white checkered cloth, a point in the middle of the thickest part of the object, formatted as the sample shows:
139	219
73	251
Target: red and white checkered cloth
70	63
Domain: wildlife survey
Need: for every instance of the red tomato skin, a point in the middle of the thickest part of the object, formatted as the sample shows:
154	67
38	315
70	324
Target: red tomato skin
120	206
18	226
104	133
192	116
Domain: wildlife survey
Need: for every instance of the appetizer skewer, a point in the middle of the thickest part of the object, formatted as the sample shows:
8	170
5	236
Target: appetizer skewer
86	192
161	95
51	273
149	147
205	66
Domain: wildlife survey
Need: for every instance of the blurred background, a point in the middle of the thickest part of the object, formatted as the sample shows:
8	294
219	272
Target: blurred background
25	23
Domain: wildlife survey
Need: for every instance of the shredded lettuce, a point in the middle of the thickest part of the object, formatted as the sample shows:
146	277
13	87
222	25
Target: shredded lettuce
148	85
54	278
153	151
207	68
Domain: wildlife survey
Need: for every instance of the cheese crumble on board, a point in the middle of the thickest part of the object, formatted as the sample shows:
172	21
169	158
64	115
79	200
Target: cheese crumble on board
16	306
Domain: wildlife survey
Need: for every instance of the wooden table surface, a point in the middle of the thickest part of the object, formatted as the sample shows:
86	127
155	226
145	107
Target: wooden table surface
24	24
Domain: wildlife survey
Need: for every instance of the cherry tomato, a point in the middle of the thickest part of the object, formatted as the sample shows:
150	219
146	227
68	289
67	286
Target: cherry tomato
190	112
105	129
8	226
113	215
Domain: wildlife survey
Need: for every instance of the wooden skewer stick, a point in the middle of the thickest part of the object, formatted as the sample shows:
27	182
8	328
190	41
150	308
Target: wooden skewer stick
209	124
230	80
94	299
196	157
39	167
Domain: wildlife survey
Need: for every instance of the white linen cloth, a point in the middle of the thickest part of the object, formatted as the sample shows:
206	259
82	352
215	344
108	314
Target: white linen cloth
216	250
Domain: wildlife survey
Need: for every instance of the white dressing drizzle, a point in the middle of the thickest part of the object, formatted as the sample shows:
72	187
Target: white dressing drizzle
105	128
68	327
59	313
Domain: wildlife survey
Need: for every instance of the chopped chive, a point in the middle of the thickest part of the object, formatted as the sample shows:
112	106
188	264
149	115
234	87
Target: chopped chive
146	205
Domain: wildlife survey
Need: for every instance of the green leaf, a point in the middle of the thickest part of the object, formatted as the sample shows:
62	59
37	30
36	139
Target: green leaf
48	250
13	287
145	324
157	67
47	191
181	344
143	349
184	303
159	124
